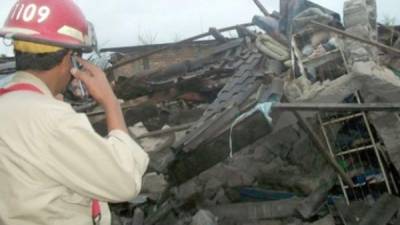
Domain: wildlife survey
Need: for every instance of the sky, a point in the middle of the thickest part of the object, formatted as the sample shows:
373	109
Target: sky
125	22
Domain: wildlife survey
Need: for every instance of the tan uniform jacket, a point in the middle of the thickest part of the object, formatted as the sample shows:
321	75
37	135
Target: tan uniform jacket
52	163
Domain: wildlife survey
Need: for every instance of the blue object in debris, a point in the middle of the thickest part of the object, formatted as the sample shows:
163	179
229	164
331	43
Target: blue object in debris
264	195
361	179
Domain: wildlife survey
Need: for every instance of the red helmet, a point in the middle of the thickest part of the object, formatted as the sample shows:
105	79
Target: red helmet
54	22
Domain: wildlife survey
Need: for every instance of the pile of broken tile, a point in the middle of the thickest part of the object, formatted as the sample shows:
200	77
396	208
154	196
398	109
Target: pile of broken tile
204	170
211	165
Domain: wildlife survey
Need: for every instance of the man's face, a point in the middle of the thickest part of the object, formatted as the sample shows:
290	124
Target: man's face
65	72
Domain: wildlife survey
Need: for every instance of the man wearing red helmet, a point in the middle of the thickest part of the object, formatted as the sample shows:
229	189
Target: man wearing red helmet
54	168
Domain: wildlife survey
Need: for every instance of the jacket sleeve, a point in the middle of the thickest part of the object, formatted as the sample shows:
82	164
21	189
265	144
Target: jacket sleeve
108	169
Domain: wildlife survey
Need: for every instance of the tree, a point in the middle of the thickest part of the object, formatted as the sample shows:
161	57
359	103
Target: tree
147	38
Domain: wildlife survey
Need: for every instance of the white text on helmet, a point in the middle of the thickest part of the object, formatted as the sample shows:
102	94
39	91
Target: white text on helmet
30	12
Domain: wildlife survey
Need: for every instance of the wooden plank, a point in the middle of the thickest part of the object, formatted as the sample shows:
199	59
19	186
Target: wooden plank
261	7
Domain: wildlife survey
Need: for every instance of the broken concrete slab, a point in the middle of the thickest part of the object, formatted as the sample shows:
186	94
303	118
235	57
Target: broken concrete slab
283	160
327	220
257	210
152	144
154	185
383	211
138	217
311	14
311	205
265	222
204	217
352	214
360	19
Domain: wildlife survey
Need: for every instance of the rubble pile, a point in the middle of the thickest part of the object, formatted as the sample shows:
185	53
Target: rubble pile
224	149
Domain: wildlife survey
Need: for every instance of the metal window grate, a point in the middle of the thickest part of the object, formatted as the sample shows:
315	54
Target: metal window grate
352	142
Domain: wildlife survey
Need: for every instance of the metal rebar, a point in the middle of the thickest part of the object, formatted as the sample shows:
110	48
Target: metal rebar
373	43
338	107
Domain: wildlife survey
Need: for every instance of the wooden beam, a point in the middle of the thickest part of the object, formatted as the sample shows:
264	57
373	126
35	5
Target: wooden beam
261	7
217	35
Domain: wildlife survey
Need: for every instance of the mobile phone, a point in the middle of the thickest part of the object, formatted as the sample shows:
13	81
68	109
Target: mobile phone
82	92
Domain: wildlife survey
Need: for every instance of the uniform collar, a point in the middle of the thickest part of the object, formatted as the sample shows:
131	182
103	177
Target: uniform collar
25	77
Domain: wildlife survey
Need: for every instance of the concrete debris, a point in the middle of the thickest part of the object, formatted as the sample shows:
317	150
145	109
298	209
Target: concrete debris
328	220
360	19
151	144
351	214
154	185
257	211
311	14
138	217
386	207
204	217
221	150
311	205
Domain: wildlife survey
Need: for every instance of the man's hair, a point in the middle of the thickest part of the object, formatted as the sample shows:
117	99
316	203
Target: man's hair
38	62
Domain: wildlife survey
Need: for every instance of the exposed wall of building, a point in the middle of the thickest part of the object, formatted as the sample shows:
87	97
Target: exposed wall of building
162	59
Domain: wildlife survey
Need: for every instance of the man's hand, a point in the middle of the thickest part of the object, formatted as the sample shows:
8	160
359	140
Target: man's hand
96	82
100	89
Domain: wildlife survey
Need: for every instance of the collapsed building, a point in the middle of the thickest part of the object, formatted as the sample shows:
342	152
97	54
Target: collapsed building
294	121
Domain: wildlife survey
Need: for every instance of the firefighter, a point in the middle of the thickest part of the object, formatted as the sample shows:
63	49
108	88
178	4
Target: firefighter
54	168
